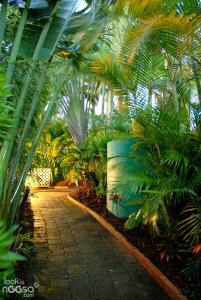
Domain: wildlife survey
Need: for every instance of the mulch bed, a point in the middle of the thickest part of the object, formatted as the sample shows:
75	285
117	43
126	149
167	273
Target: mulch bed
141	238
63	183
23	268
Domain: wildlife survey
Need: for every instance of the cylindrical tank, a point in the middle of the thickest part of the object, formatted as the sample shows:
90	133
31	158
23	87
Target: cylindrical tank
120	164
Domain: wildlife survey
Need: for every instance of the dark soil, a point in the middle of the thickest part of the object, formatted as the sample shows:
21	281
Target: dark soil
142	239
23	268
61	183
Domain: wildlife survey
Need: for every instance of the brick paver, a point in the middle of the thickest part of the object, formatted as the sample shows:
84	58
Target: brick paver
76	258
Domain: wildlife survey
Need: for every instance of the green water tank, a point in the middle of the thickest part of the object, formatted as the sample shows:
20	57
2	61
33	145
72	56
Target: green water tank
120	164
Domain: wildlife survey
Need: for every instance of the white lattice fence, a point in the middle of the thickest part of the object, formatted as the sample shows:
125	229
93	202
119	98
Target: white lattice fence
39	177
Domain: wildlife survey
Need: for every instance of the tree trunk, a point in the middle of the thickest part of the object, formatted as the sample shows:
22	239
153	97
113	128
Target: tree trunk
120	104
111	108
150	92
92	116
197	81
103	102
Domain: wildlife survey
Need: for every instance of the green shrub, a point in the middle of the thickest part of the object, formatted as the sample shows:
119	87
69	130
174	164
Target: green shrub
8	258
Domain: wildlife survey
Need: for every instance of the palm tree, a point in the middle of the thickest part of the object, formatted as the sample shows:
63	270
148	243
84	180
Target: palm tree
158	59
155	57
79	97
43	29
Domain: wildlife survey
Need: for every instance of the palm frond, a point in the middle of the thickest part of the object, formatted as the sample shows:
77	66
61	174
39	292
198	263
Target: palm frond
174	158
6	121
152	209
190	226
78	96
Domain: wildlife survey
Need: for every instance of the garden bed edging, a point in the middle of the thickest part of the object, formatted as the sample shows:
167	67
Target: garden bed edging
171	290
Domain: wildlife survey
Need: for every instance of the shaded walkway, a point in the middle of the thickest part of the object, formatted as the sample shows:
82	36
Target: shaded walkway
78	259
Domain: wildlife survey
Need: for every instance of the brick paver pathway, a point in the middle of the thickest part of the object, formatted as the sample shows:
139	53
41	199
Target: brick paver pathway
78	259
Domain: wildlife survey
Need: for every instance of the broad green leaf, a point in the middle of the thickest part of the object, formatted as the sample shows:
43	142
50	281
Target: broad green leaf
32	32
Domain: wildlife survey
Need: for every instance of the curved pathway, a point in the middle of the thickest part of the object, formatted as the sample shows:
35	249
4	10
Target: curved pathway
77	259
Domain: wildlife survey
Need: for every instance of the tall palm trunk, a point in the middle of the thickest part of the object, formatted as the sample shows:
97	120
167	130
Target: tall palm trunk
93	115
120	104
197	80
103	101
150	93
110	106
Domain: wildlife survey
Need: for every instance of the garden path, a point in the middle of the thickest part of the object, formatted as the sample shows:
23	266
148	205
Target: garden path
76	258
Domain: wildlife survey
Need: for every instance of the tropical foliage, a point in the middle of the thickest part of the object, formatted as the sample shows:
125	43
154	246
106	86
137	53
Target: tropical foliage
45	36
51	150
7	258
39	41
137	59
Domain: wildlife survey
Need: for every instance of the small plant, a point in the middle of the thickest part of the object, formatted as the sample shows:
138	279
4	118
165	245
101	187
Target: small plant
8	259
170	247
196	249
88	188
24	244
190	226
170	250
192	270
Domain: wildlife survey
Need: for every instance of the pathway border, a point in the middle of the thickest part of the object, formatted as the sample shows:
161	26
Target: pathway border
171	290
